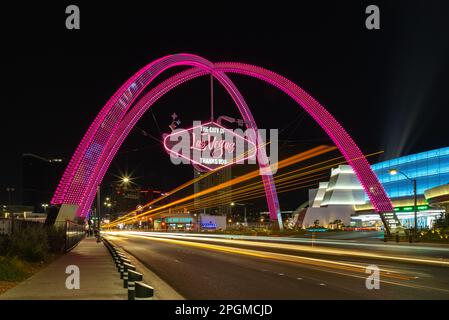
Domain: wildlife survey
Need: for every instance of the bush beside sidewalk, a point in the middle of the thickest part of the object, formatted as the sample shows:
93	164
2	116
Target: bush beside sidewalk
25	252
13	270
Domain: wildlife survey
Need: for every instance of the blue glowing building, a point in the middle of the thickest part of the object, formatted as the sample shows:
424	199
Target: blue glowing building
343	197
430	169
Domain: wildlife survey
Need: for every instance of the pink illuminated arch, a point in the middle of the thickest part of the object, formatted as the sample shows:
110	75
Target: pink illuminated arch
114	122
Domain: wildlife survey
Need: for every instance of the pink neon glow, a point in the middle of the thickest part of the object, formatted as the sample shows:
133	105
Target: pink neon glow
341	138
267	179
108	131
251	146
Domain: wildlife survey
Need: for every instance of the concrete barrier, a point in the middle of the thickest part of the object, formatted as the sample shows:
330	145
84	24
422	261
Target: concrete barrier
143	291
132	280
133	277
126	268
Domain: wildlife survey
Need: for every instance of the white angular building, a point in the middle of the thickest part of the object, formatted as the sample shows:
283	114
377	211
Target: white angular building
335	200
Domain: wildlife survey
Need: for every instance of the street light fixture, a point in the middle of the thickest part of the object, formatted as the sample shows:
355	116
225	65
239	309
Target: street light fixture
415	197
393	172
45	206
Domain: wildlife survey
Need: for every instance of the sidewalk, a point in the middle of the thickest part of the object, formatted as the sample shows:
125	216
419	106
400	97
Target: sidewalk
99	279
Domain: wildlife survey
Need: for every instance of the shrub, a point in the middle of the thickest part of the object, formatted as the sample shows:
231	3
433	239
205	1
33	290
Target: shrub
30	243
4	245
12	269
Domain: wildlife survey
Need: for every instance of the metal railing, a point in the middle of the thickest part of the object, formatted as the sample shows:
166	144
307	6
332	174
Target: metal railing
74	233
62	236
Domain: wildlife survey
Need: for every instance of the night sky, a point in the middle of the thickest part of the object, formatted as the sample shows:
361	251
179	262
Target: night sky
388	87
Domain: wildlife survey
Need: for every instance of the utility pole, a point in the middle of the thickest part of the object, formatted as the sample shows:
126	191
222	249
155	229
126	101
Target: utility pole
415	200
244	213
244	210
10	191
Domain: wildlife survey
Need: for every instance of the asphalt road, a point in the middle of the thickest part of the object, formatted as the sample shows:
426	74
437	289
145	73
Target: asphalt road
211	268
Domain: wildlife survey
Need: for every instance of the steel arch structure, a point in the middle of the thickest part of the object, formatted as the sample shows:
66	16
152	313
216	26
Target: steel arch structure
88	165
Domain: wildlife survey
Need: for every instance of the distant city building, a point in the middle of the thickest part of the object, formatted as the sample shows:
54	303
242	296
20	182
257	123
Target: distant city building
126	198
17	210
343	198
181	222
223	196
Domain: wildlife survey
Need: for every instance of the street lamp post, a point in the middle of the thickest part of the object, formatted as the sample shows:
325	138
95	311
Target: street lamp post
10	191
244	210
415	198
244	213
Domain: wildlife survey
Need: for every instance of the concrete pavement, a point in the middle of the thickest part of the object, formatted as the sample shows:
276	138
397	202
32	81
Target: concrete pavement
99	279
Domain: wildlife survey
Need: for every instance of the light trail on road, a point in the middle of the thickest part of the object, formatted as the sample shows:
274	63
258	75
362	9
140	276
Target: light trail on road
277	256
292	247
414	247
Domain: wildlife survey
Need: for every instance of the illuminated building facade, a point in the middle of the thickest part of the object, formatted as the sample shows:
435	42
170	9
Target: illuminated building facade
223	196
341	193
430	169
438	196
335	200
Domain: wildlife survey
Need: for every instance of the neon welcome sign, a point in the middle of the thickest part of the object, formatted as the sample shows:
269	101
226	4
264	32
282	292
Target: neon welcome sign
209	146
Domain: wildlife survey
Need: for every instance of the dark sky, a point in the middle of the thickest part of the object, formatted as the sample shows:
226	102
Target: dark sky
388	87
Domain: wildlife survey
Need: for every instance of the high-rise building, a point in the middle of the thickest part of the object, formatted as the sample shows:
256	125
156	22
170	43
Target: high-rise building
222	198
